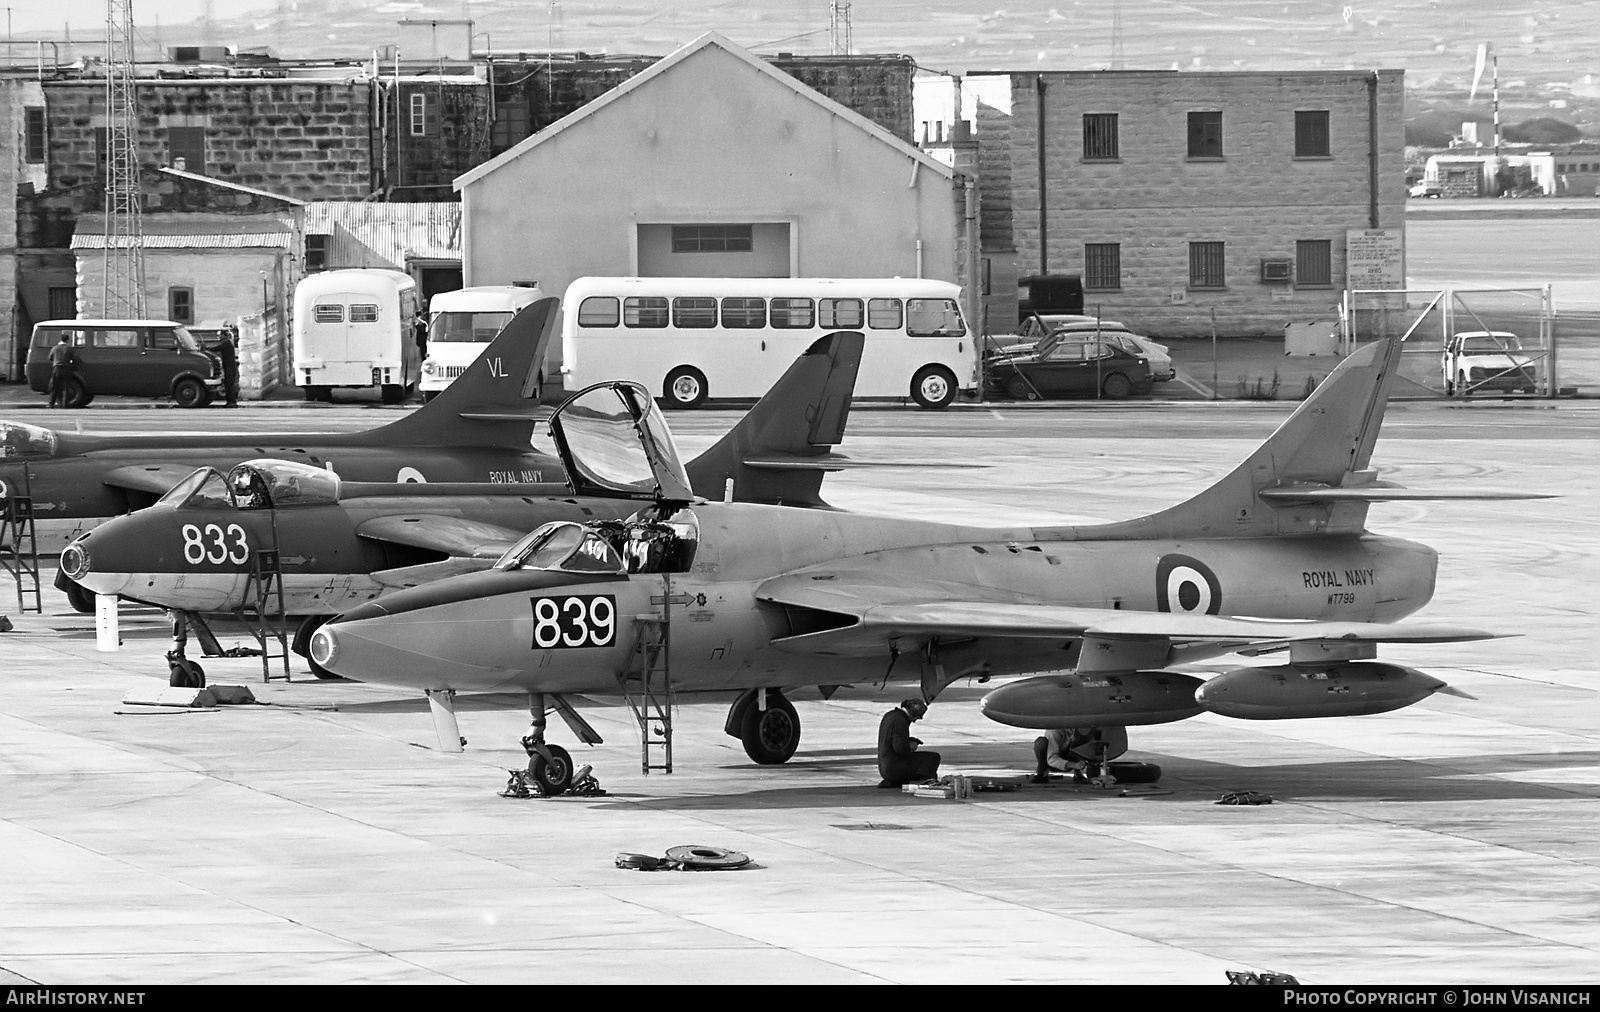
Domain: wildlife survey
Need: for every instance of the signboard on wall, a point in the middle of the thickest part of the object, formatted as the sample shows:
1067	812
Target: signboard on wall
1375	258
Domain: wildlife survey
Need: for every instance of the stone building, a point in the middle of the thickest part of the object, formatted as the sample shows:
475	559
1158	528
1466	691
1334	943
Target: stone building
1176	196
711	139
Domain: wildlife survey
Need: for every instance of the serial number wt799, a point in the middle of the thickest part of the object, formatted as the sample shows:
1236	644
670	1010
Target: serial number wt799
574	621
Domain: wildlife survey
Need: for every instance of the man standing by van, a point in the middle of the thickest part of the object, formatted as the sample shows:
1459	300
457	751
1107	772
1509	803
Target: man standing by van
63	364
228	353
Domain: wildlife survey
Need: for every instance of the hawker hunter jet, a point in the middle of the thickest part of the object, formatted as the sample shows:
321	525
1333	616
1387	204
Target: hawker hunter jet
477	430
339	543
698	596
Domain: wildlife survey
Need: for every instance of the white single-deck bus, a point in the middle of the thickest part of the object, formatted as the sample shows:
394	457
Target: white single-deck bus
462	323
693	338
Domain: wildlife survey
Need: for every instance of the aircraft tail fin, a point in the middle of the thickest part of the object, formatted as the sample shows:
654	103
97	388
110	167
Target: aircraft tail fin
778	452
1325	444
495	401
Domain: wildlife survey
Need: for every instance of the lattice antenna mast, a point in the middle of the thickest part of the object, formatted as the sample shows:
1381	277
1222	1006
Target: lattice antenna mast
840	35
1117	62
123	295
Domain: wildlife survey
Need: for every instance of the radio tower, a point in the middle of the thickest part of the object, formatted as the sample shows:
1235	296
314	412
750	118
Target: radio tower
840	34
1116	36
123	295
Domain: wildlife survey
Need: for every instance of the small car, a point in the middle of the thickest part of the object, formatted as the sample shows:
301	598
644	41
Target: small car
1035	327
1064	363
140	358
1475	361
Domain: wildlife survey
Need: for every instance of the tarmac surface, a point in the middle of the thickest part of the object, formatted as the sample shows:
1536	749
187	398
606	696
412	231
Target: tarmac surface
323	838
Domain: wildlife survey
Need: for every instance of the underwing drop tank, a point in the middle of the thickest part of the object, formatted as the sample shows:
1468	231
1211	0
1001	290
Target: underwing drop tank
1094	700
1287	692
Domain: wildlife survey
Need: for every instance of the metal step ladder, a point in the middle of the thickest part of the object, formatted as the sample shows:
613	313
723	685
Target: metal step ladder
647	686
19	545
262	611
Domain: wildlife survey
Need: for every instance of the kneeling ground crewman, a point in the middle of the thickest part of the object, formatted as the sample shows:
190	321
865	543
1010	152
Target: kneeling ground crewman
899	762
1076	749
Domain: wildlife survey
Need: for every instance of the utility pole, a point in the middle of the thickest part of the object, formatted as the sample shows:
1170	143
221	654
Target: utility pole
123	294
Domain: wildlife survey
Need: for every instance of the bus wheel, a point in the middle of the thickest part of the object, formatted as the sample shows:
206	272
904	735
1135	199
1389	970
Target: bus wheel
393	393
933	386
685	387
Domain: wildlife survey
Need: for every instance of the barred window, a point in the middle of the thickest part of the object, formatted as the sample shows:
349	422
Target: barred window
793	314
712	239
327	313
1102	265
1205	135
1206	265
1100	135
1311	134
1313	262
839	312
884	314
34	135
599	311
363	313
744	314
694	313
644	311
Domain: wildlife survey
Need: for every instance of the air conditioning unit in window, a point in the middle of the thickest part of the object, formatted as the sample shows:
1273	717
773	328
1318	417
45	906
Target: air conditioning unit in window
1277	270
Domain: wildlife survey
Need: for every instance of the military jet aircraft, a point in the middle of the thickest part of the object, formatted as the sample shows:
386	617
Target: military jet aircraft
339	543
1274	557
477	430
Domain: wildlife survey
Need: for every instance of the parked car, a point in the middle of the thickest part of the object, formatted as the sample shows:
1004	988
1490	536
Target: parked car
1479	360
139	358
1035	327
1063	364
1426	189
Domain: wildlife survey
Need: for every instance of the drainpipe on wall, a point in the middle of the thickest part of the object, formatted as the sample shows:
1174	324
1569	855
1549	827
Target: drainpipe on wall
1372	150
974	294
919	258
1044	255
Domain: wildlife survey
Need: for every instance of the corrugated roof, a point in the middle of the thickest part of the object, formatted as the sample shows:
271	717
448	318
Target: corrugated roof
248	240
374	234
195	224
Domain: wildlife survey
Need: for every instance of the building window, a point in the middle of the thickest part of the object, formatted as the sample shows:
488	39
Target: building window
644	311
712	239
1100	136
1313	262
317	251
744	314
62	302
419	114
1205	135
839	313
793	314
1206	265
510	124
1102	265
180	305
34	141
102	147
1311	134
598	311
186	149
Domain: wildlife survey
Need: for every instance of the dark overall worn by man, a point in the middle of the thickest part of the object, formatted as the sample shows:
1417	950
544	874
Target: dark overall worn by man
899	762
63	364
1080	751
228	353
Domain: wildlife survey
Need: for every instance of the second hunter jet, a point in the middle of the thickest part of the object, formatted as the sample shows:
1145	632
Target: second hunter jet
708	596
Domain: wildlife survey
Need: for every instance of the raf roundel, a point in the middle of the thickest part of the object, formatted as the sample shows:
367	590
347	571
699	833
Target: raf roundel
1185	584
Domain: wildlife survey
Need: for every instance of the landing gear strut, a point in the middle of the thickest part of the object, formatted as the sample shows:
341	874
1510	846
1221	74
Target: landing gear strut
184	673
549	766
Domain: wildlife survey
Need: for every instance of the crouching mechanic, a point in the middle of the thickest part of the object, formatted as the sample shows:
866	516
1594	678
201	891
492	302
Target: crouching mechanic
1081	751
899	762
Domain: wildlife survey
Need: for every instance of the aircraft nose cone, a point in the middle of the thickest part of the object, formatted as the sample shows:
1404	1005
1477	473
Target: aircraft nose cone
78	565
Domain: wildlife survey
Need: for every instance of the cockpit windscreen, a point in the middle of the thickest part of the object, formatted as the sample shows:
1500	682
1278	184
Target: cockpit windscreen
19	440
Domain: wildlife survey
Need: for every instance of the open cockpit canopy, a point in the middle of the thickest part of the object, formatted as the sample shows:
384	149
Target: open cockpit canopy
616	444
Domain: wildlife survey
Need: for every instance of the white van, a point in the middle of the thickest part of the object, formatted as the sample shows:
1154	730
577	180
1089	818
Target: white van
462	323
687	339
356	328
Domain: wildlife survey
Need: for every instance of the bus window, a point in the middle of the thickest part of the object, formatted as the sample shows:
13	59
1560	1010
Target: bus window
363	312
793	314
835	313
884	314
933	318
744	314
599	311
694	313
644	311
325	313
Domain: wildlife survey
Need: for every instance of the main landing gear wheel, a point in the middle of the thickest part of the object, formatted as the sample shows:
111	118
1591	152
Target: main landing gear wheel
1134	773
553	775
770	736
685	387
185	674
81	598
934	386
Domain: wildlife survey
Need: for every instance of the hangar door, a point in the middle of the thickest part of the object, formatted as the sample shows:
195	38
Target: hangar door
716	250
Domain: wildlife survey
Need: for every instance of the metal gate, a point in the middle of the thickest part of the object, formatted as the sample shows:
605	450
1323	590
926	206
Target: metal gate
1460	342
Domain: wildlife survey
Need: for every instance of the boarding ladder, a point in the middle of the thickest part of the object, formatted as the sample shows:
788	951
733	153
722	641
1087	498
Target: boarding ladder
19	545
647	685
262	610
